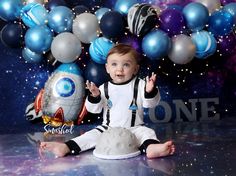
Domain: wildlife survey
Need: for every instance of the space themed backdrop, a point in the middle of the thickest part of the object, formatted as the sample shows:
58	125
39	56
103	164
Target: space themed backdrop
190	44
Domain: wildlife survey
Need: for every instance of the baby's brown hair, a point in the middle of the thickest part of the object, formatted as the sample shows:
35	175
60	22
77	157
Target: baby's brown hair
123	49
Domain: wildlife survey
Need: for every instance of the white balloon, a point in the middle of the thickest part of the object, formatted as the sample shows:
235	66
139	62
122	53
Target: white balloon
183	49
86	27
66	47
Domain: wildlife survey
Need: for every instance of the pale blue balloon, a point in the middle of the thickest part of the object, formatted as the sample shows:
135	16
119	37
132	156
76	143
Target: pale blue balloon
100	12
10	9
38	39
123	6
30	56
99	49
196	16
60	19
34	14
205	44
231	8
156	44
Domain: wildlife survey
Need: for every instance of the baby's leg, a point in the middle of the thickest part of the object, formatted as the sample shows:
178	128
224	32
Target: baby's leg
160	150
57	148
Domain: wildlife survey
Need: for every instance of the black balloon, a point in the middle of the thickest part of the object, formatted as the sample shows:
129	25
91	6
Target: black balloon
12	35
112	25
96	73
54	3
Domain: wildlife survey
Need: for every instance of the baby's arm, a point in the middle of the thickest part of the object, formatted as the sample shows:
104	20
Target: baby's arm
94	102
93	89
150	82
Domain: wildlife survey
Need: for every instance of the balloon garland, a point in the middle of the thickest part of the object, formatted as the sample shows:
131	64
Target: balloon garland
45	20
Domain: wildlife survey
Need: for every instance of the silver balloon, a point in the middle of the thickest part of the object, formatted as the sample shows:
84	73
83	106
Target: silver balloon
66	47
183	49
34	1
211	5
86	27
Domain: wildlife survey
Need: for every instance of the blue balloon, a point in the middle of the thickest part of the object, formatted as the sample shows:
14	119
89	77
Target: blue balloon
34	14
205	44
196	16
123	6
112	25
99	49
60	19
12	35
231	8
96	73
156	44
30	56
100	12
10	9
38	39
221	23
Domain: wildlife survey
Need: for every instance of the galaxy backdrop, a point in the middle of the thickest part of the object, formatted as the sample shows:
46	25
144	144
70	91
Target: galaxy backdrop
202	74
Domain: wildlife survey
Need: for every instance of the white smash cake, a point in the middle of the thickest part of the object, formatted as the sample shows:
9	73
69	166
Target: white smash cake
116	143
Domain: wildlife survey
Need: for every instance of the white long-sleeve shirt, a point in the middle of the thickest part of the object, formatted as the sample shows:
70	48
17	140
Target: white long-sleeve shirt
121	96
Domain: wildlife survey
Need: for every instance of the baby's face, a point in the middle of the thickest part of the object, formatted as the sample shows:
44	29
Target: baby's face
121	67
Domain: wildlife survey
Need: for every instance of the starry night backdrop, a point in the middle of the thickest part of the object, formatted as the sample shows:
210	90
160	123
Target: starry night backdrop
214	76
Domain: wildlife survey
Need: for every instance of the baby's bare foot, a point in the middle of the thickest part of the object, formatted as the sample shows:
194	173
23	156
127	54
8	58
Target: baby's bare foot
160	150
57	148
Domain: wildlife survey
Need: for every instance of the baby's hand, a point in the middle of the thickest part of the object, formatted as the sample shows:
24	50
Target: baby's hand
92	88
150	82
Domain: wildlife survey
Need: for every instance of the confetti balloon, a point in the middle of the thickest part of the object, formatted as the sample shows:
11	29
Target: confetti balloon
112	25
60	19
99	49
156	44
196	16
205	44
10	9
182	50
212	5
34	14
86	27
221	23
38	39
30	56
141	19
66	47
123	6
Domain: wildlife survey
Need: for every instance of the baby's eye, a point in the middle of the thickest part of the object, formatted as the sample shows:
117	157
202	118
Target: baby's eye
126	64
113	64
